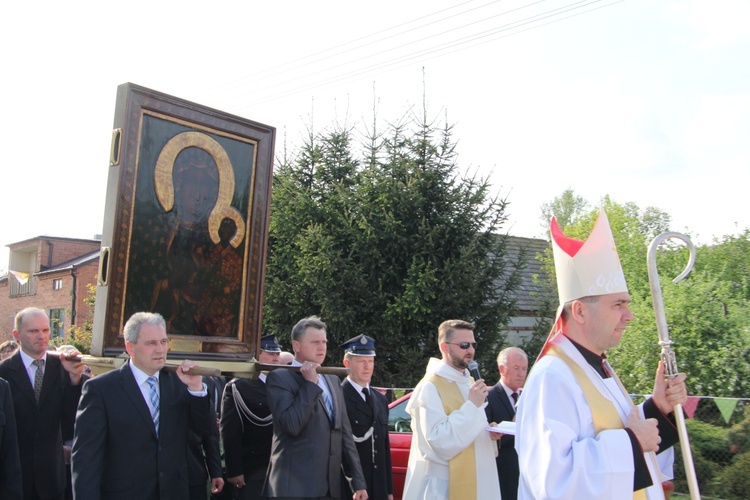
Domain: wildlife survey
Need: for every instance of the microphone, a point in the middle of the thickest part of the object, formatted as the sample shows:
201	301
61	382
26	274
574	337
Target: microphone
474	369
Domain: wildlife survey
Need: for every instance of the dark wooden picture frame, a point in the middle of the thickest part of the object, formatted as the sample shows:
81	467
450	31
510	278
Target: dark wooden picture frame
185	226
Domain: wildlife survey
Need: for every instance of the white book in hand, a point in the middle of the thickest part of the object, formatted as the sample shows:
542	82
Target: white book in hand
504	427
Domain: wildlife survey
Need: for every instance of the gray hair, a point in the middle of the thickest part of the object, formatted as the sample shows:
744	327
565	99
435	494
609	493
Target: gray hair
29	311
302	325
502	358
133	327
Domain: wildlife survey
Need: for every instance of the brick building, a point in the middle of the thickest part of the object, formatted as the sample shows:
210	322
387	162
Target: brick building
53	274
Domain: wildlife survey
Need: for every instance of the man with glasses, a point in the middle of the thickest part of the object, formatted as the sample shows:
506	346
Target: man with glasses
452	454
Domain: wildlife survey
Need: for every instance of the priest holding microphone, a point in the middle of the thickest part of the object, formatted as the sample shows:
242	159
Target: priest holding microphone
452	453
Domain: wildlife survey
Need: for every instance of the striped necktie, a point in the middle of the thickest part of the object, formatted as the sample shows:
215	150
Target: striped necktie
326	398
329	405
38	378
154	396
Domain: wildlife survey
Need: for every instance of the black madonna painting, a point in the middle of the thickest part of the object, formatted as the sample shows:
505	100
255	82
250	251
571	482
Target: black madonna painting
189	224
188	240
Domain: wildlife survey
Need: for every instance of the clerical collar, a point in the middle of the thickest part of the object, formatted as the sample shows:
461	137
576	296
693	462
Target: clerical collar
596	361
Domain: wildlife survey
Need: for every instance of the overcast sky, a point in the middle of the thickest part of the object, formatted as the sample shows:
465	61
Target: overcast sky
645	100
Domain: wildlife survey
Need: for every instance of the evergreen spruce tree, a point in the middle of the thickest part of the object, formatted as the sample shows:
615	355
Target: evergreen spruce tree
390	246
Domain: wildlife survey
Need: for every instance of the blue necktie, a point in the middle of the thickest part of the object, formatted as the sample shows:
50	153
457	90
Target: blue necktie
329	405
326	399
152	381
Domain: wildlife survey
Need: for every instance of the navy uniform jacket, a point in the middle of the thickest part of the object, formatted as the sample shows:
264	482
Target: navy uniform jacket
42	428
117	454
308	449
249	450
500	408
376	464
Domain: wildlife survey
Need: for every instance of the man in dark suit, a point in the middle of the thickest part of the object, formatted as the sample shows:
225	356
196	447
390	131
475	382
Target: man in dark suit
247	427
45	393
368	416
512	363
312	437
131	434
10	464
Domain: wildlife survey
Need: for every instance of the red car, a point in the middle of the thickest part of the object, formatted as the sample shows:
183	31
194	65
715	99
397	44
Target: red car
399	427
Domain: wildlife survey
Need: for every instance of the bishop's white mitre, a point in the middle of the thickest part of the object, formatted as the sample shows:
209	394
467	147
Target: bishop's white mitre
587	268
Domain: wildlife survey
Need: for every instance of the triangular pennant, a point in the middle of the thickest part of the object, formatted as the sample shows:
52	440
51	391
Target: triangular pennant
726	407
381	390
22	277
398	393
691	405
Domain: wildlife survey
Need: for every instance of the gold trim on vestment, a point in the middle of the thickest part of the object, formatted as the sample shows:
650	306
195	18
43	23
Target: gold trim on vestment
463	466
603	411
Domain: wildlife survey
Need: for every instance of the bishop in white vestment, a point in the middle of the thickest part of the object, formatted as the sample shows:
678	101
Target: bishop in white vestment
578	433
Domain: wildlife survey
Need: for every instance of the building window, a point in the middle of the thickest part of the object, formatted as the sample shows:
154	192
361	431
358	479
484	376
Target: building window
57	323
57	284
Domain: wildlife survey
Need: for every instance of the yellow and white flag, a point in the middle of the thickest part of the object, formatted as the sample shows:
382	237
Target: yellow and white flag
22	277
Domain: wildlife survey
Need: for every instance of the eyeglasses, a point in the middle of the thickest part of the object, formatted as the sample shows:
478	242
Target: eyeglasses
464	345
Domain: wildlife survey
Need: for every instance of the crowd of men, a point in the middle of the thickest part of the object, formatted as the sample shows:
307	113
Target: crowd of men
146	432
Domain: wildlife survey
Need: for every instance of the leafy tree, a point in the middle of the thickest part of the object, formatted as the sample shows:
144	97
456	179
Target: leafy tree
389	246
728	260
566	208
735	479
80	335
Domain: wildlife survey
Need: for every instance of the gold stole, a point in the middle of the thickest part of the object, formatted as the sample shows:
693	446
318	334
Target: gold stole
463	467
603	411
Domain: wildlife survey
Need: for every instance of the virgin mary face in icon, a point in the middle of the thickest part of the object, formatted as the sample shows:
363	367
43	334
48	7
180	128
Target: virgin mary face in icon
196	186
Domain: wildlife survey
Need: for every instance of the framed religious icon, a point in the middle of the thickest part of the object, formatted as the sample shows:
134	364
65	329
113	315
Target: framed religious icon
185	226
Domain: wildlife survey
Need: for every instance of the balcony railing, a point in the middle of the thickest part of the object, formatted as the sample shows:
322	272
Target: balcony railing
17	289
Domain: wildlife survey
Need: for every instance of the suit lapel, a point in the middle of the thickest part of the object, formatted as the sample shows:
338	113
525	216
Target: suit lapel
508	402
166	389
336	399
379	405
21	376
52	369
353	396
131	389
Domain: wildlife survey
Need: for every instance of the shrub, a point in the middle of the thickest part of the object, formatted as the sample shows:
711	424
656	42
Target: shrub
735	479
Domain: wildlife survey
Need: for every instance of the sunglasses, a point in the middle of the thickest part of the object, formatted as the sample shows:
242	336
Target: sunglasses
464	345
